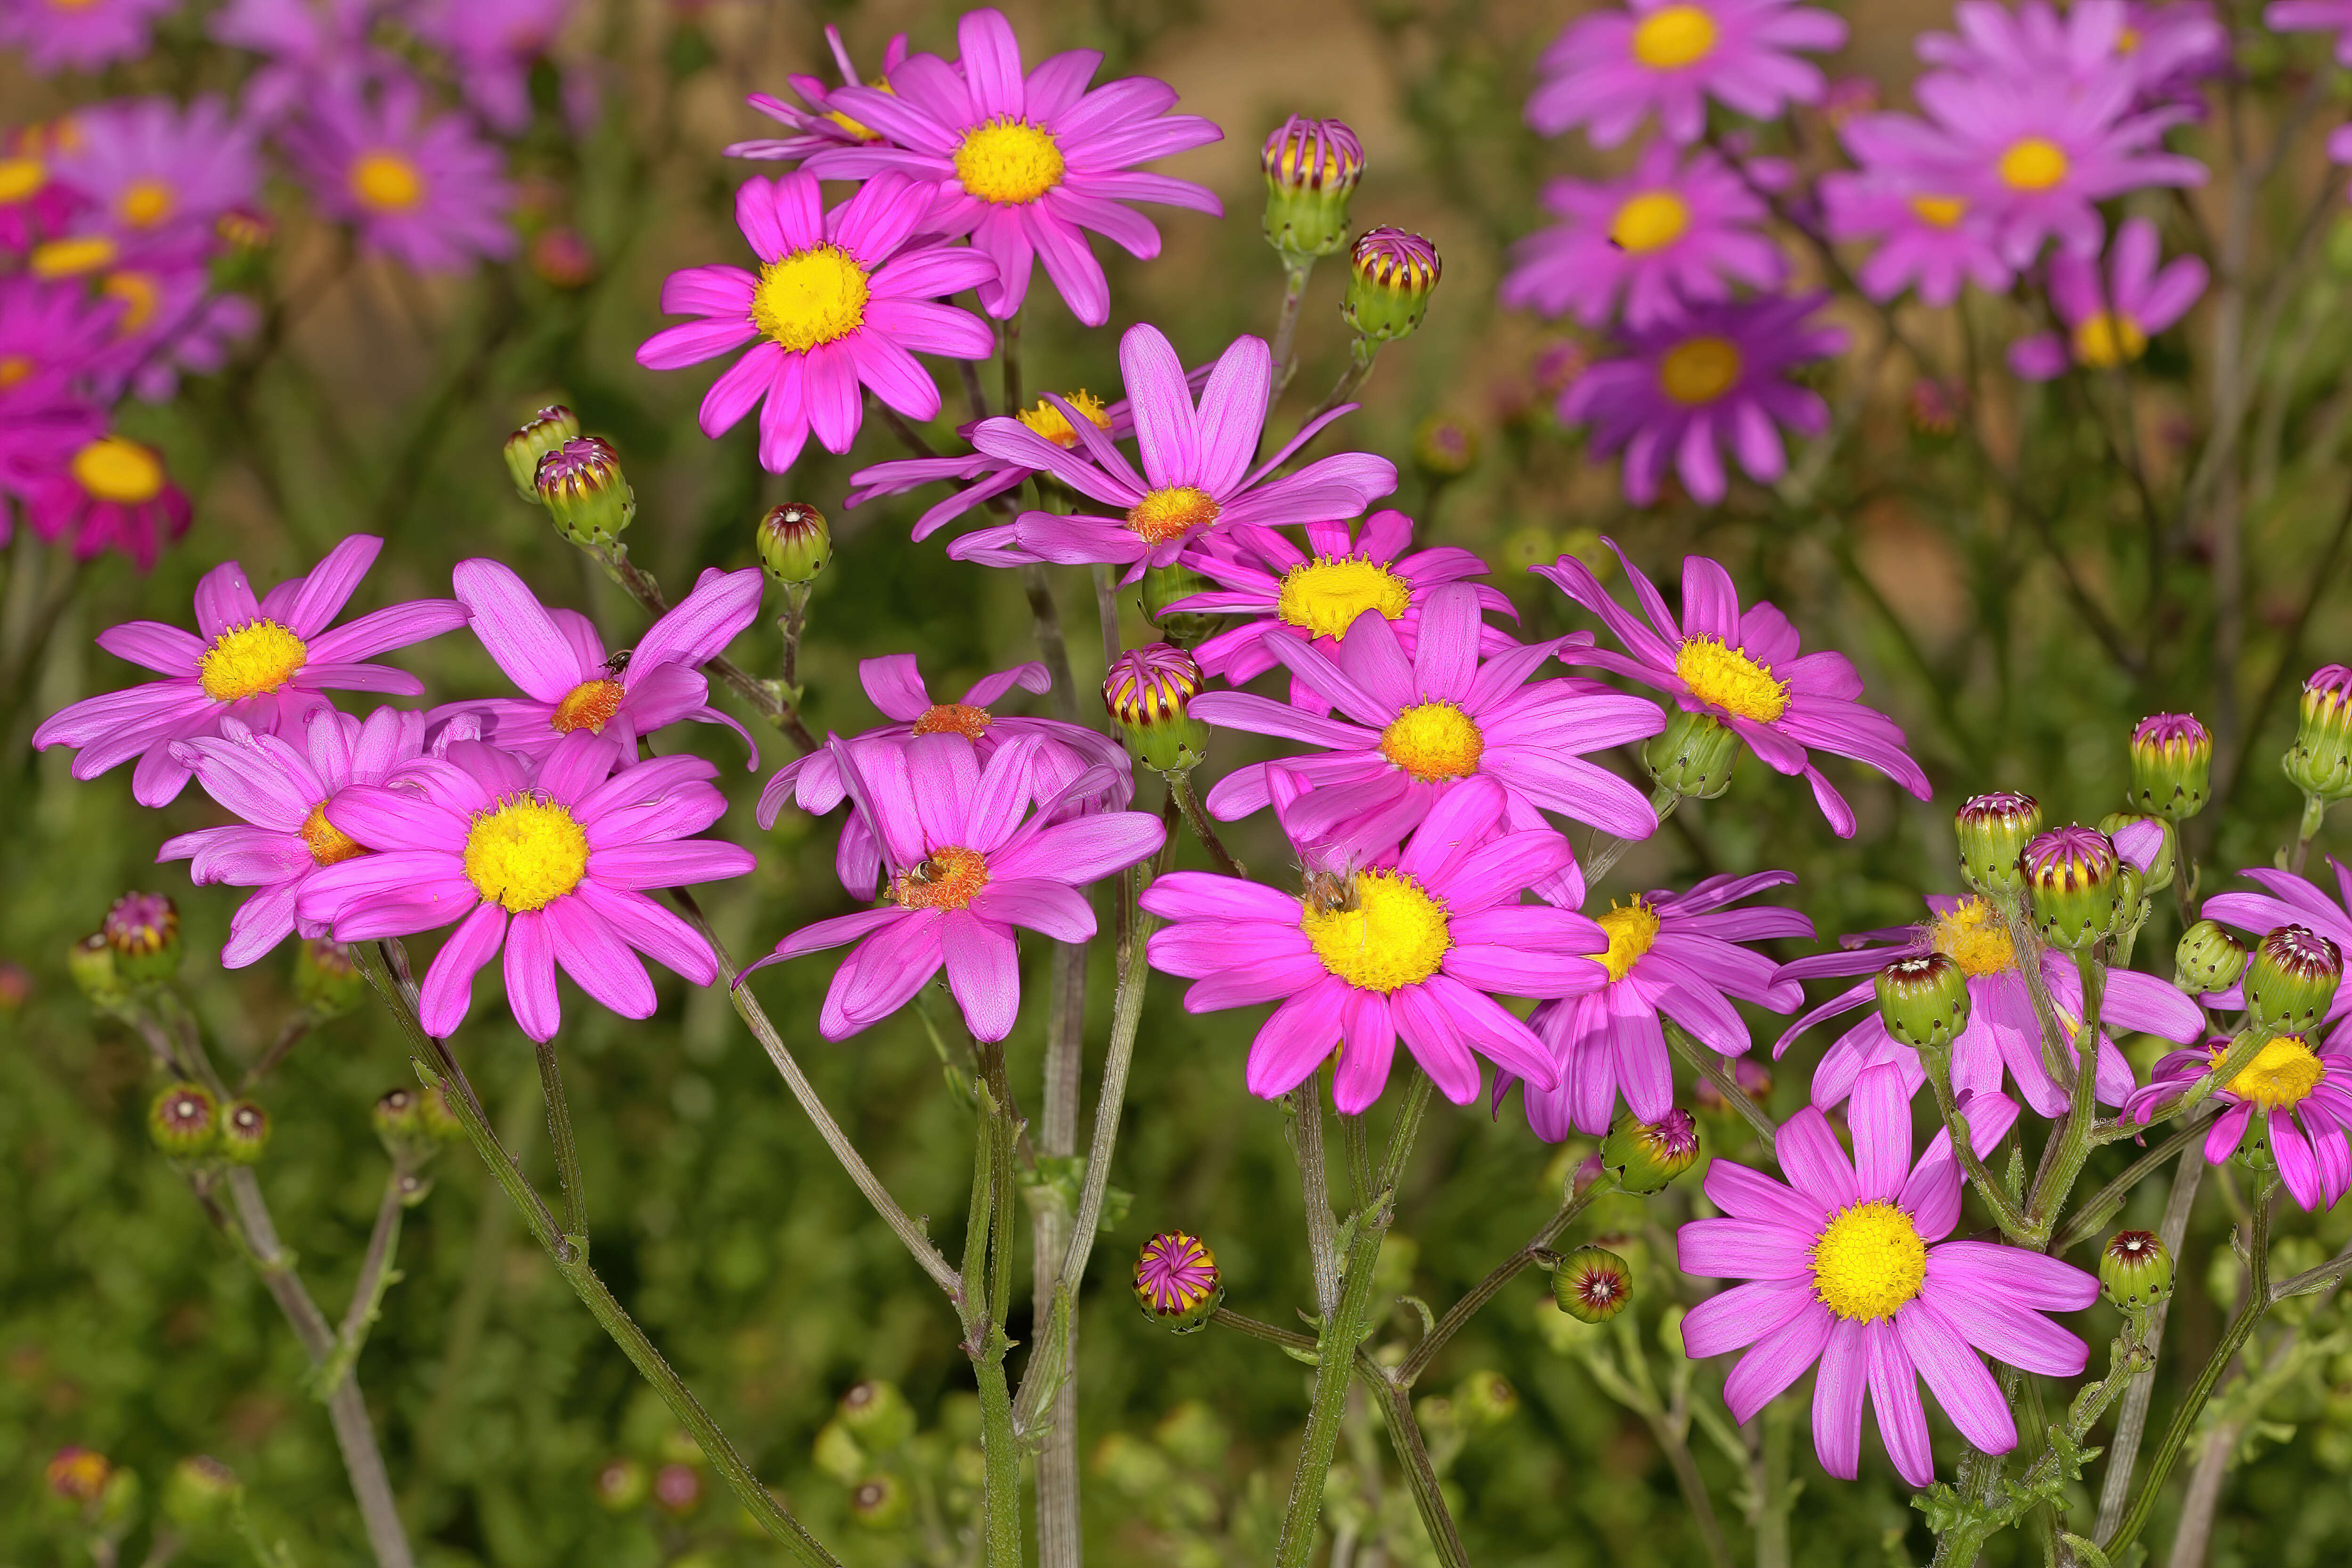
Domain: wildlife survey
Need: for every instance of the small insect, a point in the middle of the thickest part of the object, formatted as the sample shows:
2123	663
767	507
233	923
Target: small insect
1331	893
619	662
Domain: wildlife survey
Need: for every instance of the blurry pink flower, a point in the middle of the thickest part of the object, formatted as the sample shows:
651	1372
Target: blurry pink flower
819	125
425	191
152	169
1609	69
2109	324
77	481
79	34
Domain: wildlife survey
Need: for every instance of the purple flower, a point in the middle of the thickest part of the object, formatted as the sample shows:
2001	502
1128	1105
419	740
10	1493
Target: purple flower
266	663
1668	236
965	869
1671	956
1745	670
1718	374
154	170
1196	464
2288	901
33	203
840	301
1848	1267
52	337
552	863
819	125
2163	48
74	480
1907	195
2110	326
1026	165
1409	947
316	51
2302	1096
493	44
2314	16
1609	69
79	34
426	192
568	681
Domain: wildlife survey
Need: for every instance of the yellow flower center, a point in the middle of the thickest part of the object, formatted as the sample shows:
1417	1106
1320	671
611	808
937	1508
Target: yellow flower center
328	845
1699	369
386	182
1973	936
1869	1261
72	257
1008	162
2283	1074
2036	163
113	469
1651	221
588	706
1941	211
14	368
949	879
248	660
2106	339
1170	514
72	5
1052	424
20	177
954	719
2128	41
140	298
1323	596
1674	37
145	202
810	297
1631	930
1729	679
1393	936
1434	740
525	854
859	128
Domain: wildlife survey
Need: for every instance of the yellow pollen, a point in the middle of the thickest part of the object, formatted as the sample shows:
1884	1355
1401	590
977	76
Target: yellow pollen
1727	678
954	719
72	257
248	660
2036	163
949	879
2283	1074
1395	936
386	182
588	706
1631	930
1699	369
1674	37
1651	221
526	853
140	298
1008	162
1973	937
810	297
14	368
1941	211
1170	514
2128	41
145	202
72	5
328	845
1052	424
113	469
20	177
1434	740
1869	1261
1323	596
2106	339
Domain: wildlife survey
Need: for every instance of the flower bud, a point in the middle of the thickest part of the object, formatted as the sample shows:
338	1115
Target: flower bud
440	1122
78	1474
2320	761
2207	959
677	1489
184	1121
15	987
201	1495
91	962
1147	692
2171	766
541	434
399	1119
1924	1001
1445	447
1485	1398
796	544
1388	291
144	930
1166	585
1593	1284
1993	830
2134	1270
563	257
1646	1156
880	1503
583	490
2291	980
621	1485
1693	755
1176	1281
2137	884
877	1414
1311	169
243	1132
326	982
2074	883
415	1188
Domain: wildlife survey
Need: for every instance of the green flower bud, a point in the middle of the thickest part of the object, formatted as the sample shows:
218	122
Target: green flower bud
796	544
1485	1398
836	1453
1387	290
201	1495
1924	1001
144	930
1593	1284
1176	1281
2073	884
91	962
399	1119
1693	755
326	982
2134	1270
2138	884
880	1503
440	1122
243	1132
2207	959
1148	692
621	1486
2292	979
1311	169
1993	830
1445	447
1170	585
2171	765
414	1188
184	1121
543	432
1646	1156
583	487
877	1414
2320	761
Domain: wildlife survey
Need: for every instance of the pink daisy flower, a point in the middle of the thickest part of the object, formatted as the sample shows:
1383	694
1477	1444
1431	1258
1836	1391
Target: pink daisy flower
493	43
314	50
1196	464
551	863
74	480
2162	48
840	300
2109	326
1671	956
52	337
1610	69
1409	947
819	125
153	169
2287	900
2314	16
1906	195
280	790
1849	1269
2003	1031
33	203
1410	733
265	662
2302	1096
1718	374
172	324
79	34
1744	669
424	191
1026	165
965	867
1669	234
570	683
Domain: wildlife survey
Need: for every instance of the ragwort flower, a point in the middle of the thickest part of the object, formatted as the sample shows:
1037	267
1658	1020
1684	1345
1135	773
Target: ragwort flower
1610	69
2303	1096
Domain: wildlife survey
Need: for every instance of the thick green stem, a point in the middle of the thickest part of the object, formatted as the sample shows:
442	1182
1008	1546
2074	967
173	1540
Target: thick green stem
1296	269
2131	1424
2013	1224
1421	1475
1306	1107
567	1147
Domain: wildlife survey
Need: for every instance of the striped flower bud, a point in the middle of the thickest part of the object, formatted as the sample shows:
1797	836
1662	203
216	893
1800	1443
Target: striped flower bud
2134	1270
2207	959
1311	169
326	982
1924	1001
91	962
1993	830
1166	585
2292	979
143	932
1148	691
1593	1284
543	432
1644	1156
2171	766
1176	1281
796	544
1387	290
2320	761
184	1121
583	490
2074	883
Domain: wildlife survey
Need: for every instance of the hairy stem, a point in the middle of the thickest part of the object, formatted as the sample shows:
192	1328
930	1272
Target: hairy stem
567	1149
2131	1425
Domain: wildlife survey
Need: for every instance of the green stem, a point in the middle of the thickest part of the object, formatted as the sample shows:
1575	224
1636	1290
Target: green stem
567	1147
376	1278
2314	813
1296	269
1602	854
1360	354
2096	1211
2131	1423
1179	785
1421	1475
1306	1107
987	1343
2074	1143
1486	1290
1707	1063
2013	1224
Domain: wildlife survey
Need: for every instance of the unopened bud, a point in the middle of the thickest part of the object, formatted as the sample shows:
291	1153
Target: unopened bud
1149	692
1445	447
1646	1156
541	434
1593	1284
144	930
440	1122
15	987
1993	830
184	1121
326	982
880	1503
2074	883
1311	169
399	1119
1394	274
677	1489
2207	959
794	543
91	962
243	1132
2134	1270
2292	980
2172	766
621	1485
1172	584
1693	755
201	1494
583	490
2320	761
879	1415
1485	1398
563	257
1924	1001
78	1474
1176	1281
